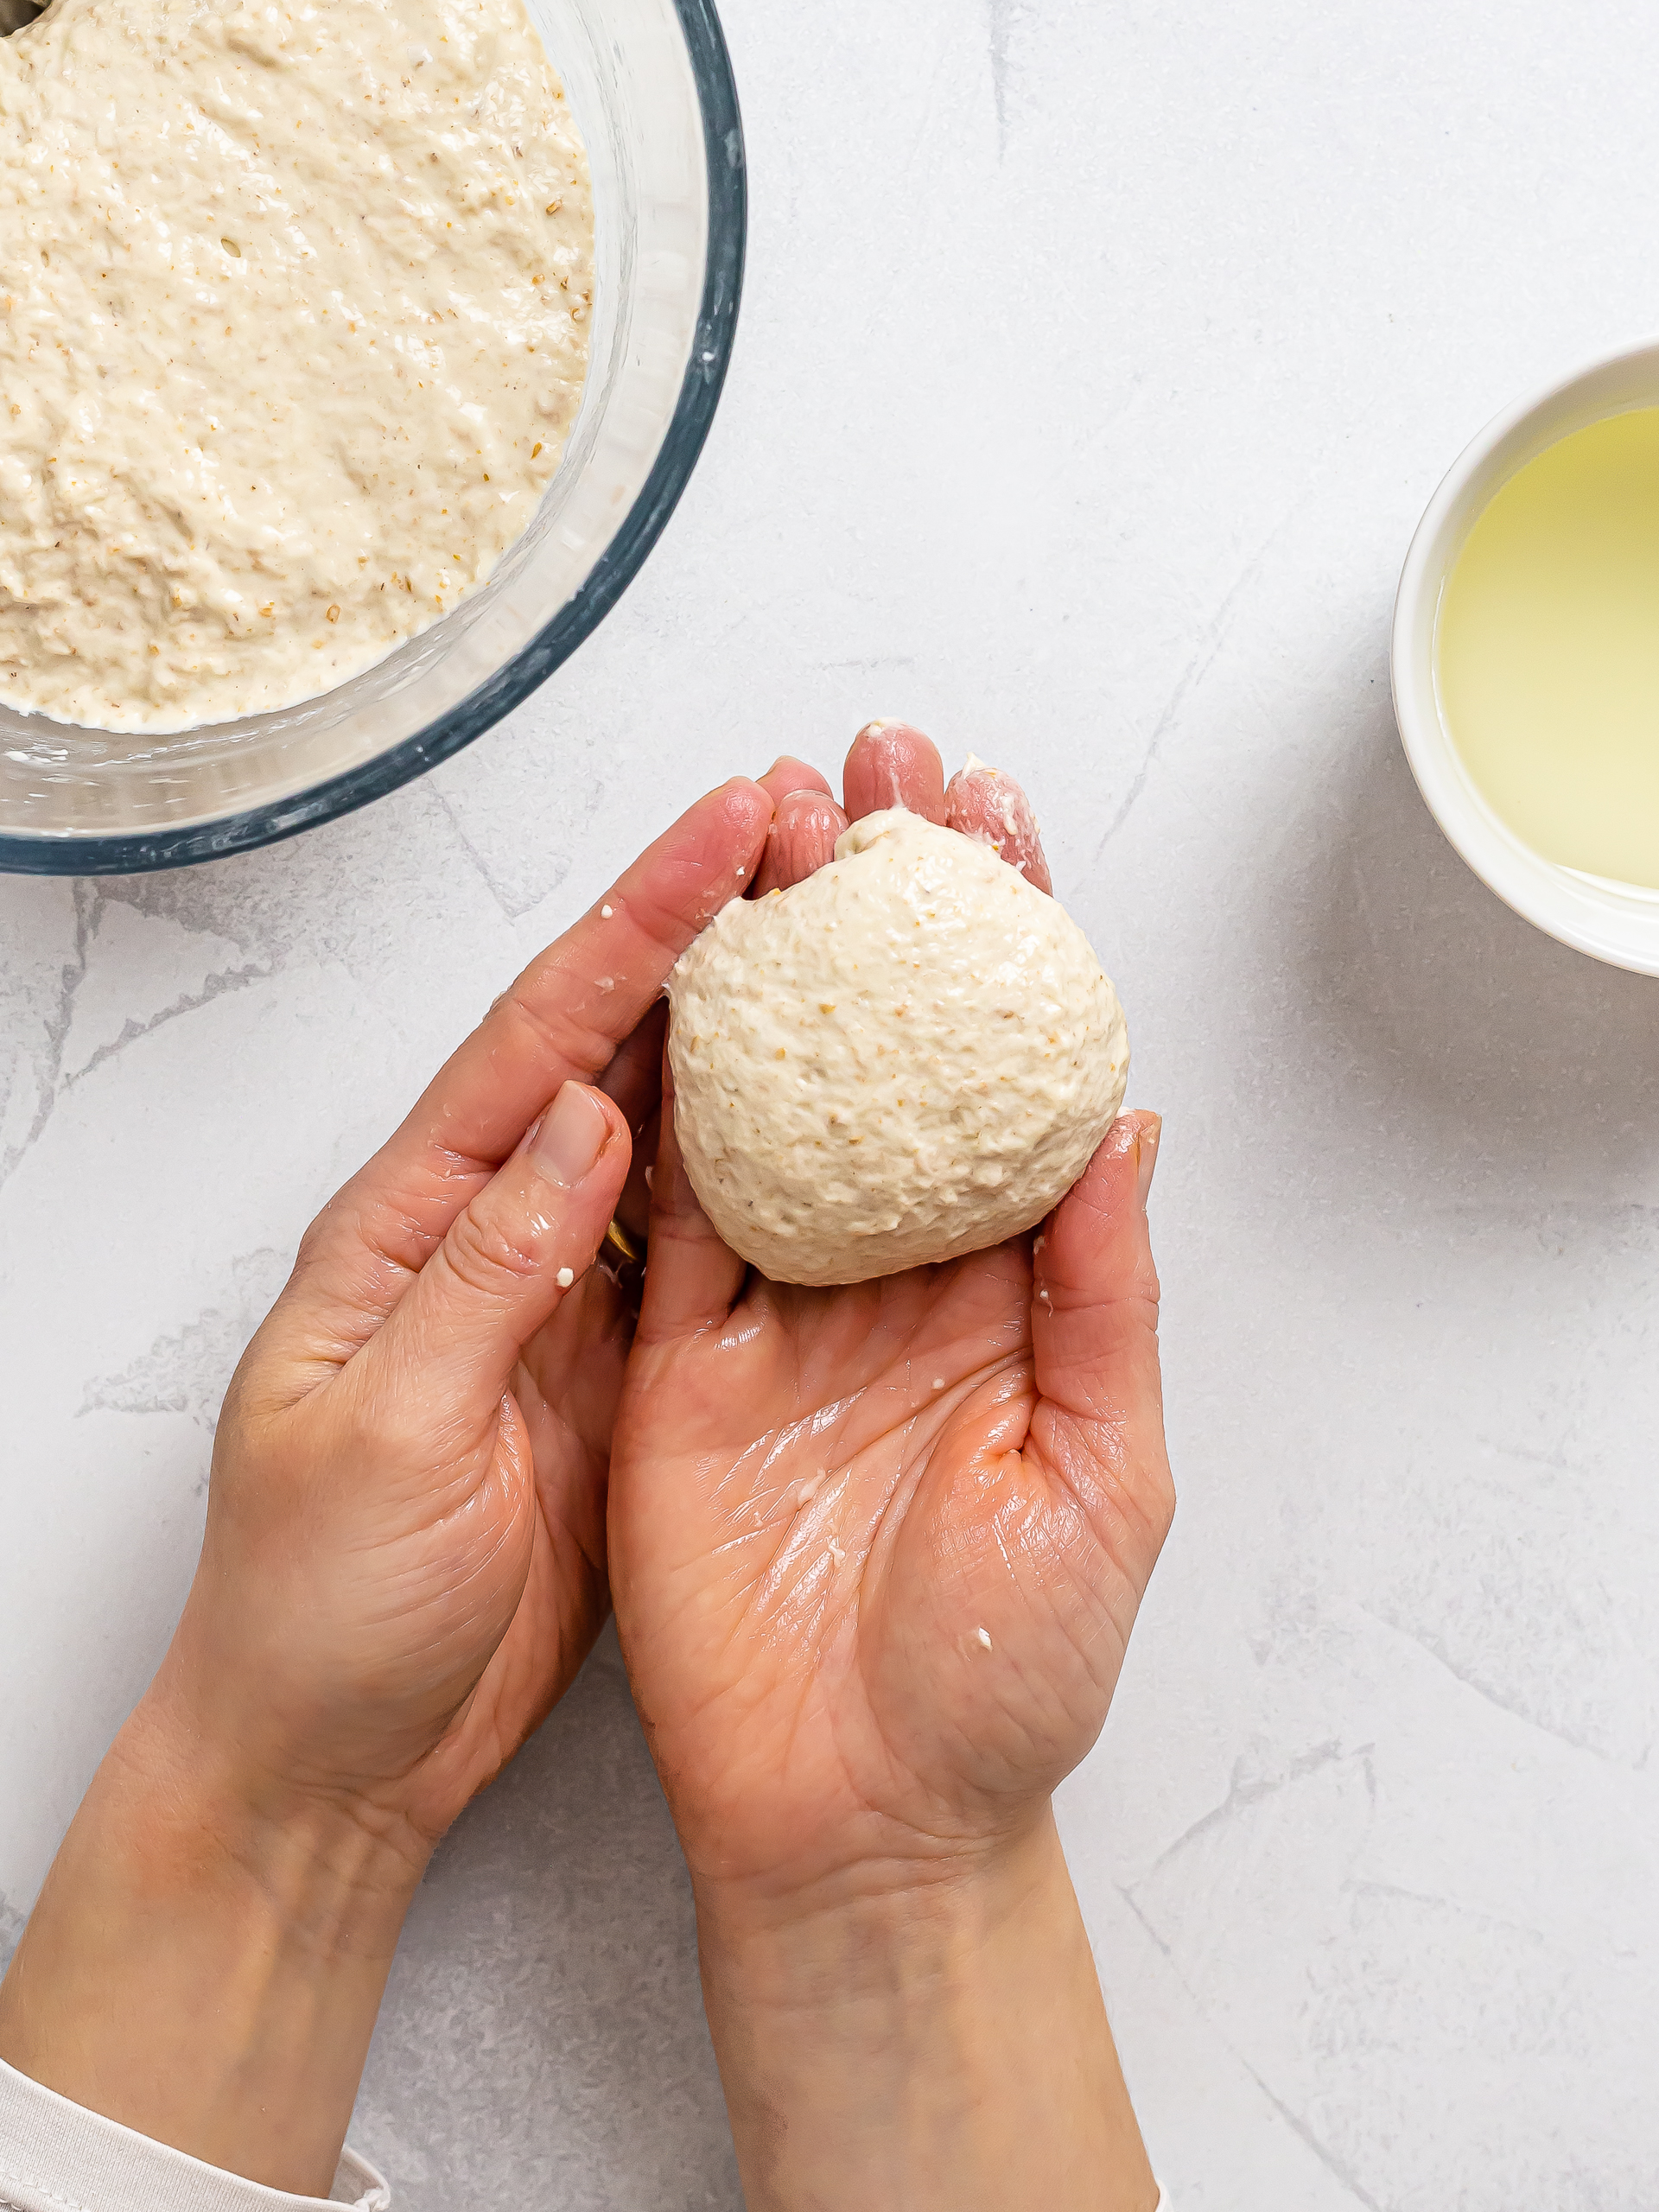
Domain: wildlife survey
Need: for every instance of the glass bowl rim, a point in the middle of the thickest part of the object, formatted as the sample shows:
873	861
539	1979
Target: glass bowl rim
66	853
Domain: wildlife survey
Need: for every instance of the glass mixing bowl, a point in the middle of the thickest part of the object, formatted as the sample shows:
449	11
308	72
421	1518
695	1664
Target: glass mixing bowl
651	86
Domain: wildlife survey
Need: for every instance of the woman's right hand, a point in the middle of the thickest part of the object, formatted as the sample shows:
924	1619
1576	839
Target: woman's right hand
876	1552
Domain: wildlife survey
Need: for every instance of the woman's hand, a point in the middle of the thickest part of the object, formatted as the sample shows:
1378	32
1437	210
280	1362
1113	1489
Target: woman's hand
404	1564
405	1558
876	1554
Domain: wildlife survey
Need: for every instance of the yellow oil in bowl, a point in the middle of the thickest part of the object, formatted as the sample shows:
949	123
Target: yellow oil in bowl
1546	651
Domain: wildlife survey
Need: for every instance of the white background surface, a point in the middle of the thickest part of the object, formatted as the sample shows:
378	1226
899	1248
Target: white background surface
1097	362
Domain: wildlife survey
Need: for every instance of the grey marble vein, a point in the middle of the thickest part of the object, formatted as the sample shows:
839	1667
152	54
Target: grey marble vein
185	1371
222	979
1335	2166
49	1054
1206	645
1588	1740
1243	1794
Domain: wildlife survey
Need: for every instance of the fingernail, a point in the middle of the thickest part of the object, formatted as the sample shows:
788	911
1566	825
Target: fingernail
571	1137
1146	1157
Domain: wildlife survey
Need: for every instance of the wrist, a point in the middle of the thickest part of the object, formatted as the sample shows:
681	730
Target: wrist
203	1799
934	2040
208	1953
874	1932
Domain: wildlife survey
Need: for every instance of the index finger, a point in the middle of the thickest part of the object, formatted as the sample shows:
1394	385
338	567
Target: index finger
564	1018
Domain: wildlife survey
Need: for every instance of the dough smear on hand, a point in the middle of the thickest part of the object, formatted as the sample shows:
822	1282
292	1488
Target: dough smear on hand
910	1056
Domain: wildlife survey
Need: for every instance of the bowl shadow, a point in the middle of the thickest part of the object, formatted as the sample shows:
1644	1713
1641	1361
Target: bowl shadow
1446	1007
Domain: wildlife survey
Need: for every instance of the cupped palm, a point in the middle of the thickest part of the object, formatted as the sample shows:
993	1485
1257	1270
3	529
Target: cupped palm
876	1551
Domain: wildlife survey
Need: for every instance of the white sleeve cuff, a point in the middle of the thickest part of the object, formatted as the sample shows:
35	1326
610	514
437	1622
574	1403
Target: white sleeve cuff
56	2157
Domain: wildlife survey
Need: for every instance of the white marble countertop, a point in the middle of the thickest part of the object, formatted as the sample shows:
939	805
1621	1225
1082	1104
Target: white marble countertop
1096	365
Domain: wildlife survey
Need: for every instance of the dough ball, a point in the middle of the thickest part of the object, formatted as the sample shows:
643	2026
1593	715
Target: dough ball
909	1056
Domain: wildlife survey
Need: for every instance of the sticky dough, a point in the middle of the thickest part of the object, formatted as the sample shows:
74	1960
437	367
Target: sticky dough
293	302
910	1056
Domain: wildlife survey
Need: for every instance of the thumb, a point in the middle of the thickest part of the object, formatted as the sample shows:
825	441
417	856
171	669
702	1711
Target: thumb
694	1279
508	1258
1099	1426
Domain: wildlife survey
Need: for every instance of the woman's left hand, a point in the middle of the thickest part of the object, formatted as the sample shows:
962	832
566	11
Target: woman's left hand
405	1558
404	1564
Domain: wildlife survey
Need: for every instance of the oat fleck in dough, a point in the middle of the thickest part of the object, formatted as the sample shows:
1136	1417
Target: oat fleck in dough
909	1056
294	307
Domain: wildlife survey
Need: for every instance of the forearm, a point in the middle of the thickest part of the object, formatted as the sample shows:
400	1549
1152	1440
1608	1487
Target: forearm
208	1969
932	2048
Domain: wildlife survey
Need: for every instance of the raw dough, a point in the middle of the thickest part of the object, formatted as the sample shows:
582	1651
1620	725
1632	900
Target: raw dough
910	1055
293	302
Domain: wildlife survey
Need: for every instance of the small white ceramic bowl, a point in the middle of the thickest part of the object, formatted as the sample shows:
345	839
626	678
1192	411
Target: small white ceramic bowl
1615	922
